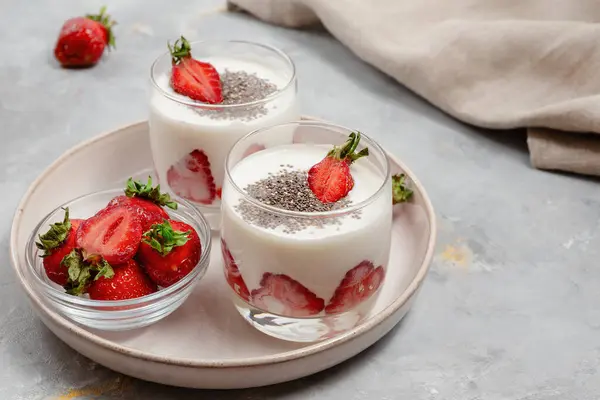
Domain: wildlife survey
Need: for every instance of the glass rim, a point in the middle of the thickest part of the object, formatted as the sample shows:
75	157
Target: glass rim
153	297
321	214
208	106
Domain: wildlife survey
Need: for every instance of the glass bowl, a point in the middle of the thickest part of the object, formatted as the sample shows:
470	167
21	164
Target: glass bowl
116	315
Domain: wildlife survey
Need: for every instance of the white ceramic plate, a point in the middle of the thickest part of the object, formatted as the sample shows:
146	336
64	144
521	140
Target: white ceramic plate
206	343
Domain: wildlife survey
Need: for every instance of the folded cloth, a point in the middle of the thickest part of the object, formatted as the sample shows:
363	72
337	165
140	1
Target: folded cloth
499	64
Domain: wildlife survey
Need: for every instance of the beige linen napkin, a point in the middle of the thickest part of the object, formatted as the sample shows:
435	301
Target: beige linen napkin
497	64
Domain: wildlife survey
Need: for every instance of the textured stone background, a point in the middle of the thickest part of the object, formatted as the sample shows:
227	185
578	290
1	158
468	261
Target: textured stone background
511	308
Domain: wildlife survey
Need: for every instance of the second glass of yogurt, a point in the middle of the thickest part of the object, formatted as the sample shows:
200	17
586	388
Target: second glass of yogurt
190	139
300	269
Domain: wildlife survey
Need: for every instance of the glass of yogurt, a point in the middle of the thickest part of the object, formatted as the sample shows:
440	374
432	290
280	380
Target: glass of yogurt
190	139
300	269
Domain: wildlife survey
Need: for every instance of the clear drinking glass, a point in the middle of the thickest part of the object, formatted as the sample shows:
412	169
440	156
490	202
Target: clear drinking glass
190	139
299	274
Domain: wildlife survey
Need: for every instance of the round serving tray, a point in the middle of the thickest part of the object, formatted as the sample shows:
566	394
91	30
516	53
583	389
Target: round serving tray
205	343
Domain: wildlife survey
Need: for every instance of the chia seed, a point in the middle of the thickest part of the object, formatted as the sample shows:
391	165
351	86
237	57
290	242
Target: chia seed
288	190
239	87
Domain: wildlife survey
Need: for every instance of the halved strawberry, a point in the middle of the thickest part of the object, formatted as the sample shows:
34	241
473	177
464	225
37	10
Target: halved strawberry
219	192
129	281
56	243
283	295
192	179
192	78
253	148
357	285
169	251
232	273
330	180
146	200
114	234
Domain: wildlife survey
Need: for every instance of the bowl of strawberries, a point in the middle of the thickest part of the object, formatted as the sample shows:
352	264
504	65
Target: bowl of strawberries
119	259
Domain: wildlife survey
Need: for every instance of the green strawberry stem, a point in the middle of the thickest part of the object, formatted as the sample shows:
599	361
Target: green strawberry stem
162	238
400	192
180	49
107	22
347	151
138	189
55	236
82	272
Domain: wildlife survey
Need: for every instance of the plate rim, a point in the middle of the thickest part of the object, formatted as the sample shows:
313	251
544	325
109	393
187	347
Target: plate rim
286	356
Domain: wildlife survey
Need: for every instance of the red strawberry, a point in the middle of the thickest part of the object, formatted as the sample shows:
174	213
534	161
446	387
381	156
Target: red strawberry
57	242
147	201
232	273
357	285
192	78
282	295
253	148
219	192
169	251
128	282
330	180
114	233
192	179
82	40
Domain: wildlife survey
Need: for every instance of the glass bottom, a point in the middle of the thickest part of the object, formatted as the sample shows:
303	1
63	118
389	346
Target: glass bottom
308	329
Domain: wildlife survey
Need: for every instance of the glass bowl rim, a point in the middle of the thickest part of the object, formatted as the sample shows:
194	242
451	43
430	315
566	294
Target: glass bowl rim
311	215
158	296
207	106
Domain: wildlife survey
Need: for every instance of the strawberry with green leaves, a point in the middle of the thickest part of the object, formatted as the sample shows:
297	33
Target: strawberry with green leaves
331	180
146	200
57	243
82	40
169	251
192	78
104	282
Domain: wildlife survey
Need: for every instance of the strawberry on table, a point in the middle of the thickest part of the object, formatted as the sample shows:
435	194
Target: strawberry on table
56	243
330	179
82	40
232	273
192	78
357	285
146	200
128	281
283	295
192	179
169	251
114	234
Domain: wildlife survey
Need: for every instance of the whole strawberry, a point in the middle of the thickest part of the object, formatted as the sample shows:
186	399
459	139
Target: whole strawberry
147	201
128	282
169	251
330	180
82	40
192	78
56	244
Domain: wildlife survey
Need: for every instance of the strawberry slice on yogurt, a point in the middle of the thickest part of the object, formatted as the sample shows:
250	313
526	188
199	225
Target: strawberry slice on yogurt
283	295
357	285
232	273
192	179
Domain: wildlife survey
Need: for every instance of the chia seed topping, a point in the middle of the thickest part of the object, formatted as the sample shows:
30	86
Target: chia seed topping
241	87
288	189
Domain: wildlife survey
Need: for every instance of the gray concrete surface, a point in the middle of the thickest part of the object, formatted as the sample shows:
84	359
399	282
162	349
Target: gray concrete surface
510	311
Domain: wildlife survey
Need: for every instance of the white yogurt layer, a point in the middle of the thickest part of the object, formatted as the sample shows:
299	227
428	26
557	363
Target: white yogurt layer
177	129
317	257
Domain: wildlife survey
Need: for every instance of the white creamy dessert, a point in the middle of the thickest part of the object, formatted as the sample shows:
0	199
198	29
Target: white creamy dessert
353	249
184	139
